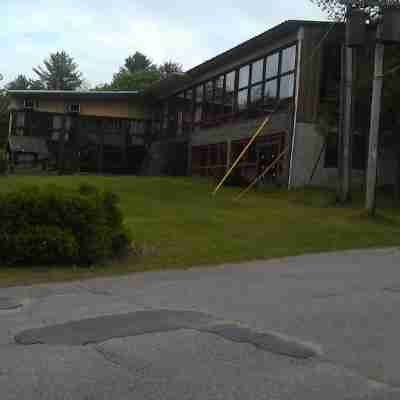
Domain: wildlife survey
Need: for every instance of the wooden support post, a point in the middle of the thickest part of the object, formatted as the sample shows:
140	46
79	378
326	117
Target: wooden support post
76	143
228	153
345	149
348	126
125	143
61	145
370	201
100	152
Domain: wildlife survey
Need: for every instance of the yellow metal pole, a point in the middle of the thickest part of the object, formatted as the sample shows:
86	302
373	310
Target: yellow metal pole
257	133
270	166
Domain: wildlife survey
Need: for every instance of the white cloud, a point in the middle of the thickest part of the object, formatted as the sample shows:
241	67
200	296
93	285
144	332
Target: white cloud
100	34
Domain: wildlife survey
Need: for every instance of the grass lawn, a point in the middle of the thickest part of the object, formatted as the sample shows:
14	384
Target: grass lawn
181	225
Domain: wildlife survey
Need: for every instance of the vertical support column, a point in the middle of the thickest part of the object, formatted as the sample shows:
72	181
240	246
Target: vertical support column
10	132
61	144
125	142
347	126
76	143
100	153
228	154
370	201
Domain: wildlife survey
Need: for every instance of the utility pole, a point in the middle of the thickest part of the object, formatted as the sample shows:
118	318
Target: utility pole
346	114
370	203
347	125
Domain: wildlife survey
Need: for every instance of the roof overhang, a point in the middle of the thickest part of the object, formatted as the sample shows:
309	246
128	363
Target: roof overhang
166	87
71	95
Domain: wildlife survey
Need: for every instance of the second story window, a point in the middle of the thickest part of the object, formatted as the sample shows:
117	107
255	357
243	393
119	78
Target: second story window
31	104
74	108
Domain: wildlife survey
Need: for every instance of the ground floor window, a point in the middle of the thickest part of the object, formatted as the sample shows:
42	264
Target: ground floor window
209	160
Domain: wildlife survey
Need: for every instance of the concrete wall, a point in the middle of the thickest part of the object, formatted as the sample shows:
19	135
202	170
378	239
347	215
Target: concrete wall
308	144
307	148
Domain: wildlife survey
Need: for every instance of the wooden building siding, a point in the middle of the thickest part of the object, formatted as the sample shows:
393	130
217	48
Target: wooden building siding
95	108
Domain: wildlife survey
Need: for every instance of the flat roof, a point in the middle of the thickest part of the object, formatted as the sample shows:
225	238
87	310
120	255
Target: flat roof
77	94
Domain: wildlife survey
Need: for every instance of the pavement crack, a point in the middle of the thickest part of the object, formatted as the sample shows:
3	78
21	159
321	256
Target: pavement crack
110	357
379	383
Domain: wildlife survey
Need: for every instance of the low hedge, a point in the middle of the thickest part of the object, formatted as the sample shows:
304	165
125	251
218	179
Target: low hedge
54	225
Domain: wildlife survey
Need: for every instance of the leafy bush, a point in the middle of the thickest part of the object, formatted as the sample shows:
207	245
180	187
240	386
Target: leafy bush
53	225
3	161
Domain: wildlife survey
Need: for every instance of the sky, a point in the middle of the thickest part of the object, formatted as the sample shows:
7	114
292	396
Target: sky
100	34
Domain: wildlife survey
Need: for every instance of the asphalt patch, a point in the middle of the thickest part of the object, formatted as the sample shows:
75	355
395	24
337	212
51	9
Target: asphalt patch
7	303
101	329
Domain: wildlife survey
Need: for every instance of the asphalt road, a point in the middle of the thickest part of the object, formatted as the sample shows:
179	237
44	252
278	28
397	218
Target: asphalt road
311	327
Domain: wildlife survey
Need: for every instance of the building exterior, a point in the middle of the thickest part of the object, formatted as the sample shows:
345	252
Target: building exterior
86	131
197	123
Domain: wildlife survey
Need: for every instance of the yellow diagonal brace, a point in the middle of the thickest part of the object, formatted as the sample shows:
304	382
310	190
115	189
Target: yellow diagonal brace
254	137
270	166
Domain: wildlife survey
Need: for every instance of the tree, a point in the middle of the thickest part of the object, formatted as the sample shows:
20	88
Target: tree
124	80
21	82
169	68
137	73
59	72
336	9
138	63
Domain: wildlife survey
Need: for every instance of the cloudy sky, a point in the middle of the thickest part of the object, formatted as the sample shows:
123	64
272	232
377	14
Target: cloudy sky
100	34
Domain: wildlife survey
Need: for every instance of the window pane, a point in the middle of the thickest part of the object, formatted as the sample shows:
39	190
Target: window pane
257	71
242	99
229	92
271	90
209	90
230	81
288	59
199	94
272	66
287	86
219	95
256	93
244	76
219	87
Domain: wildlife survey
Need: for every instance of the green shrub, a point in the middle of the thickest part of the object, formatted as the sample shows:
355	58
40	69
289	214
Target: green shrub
53	225
3	161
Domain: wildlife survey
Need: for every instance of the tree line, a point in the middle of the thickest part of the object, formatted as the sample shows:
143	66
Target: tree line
60	72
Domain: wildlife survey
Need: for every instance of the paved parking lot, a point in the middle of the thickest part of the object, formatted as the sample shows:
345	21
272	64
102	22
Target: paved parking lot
310	327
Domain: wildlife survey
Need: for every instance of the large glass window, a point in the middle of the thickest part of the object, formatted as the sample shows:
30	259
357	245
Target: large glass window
188	111
208	103
256	93
257	71
244	75
257	83
288	59
271	90
272	66
242	99
229	98
199	93
219	96
287	87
